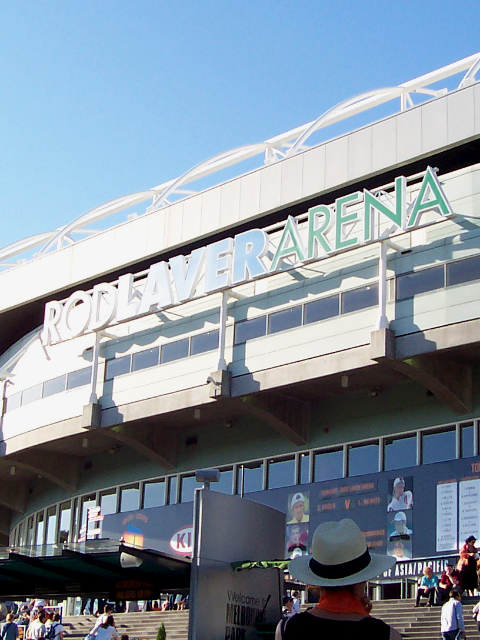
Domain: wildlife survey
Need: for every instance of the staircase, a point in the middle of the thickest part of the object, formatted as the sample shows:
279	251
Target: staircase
421	623
135	625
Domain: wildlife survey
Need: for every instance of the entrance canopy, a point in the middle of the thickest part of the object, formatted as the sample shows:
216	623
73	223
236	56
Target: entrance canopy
94	567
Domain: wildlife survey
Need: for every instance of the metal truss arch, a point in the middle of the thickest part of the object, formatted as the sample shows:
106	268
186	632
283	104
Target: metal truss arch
278	147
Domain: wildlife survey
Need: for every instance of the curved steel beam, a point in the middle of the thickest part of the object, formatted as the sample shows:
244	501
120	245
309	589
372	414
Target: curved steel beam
347	107
299	135
102	211
471	73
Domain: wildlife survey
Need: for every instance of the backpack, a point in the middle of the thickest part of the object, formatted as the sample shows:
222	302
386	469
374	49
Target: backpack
51	633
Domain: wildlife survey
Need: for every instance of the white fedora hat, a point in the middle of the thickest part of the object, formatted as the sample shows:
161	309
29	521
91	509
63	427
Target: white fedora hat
339	557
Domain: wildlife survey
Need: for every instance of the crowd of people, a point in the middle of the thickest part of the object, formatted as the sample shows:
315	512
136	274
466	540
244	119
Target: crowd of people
38	622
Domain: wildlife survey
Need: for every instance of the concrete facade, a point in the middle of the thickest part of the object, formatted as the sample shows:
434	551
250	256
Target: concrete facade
289	393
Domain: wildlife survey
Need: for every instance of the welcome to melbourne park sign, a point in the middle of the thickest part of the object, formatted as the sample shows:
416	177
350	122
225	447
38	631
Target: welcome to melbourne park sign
233	261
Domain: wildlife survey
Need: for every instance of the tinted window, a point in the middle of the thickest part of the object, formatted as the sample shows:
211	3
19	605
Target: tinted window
108	503
65	516
411	284
172	490
463	271
249	329
189	484
322	309
145	359
79	378
117	367
281	473
51	526
129	498
252	476
204	342
467	440
328	465
224	485
174	351
56	385
438	447
400	452
13	402
32	394
304	468
154	494
361	298
286	319
362	459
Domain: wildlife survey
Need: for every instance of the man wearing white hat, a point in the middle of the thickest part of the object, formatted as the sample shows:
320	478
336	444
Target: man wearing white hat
298	509
401	529
341	563
401	499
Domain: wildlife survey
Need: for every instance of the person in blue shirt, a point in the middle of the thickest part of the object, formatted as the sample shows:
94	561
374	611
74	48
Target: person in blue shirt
427	588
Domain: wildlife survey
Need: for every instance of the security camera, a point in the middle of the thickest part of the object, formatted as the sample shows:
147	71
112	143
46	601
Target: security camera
206	476
216	383
127	561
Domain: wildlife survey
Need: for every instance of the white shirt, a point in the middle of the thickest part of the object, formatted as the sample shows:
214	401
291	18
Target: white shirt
452	616
106	634
100	620
404	502
36	630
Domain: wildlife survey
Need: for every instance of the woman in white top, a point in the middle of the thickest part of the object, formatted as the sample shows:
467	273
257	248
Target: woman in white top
107	631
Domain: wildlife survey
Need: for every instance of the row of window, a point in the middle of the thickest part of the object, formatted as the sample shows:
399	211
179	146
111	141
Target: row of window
67	381
191	346
407	285
67	521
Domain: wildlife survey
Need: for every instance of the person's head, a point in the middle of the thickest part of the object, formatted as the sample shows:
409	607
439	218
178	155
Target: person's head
295	534
42	616
124	636
40	604
449	568
9	617
298	506
339	559
398	549
57	617
288	602
470	541
427	571
456	593
398	487
108	609
400	522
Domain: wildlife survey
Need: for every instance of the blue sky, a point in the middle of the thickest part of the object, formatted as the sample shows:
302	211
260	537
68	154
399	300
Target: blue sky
105	98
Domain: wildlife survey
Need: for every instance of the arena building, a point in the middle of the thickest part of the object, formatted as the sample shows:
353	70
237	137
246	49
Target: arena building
310	328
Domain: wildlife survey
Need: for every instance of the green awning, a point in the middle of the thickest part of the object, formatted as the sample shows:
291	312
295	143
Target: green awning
92	567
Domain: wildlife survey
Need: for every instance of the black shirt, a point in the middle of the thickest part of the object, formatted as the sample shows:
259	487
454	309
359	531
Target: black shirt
305	626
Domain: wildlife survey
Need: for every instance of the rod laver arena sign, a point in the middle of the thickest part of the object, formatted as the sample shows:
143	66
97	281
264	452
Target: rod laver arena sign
355	219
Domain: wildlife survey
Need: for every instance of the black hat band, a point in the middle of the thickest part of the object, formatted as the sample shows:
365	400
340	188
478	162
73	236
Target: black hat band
333	571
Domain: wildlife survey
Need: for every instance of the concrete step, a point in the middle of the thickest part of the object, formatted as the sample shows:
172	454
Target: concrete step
135	625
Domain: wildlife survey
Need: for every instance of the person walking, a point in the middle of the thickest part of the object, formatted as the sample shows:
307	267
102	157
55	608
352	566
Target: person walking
452	625
341	564
9	628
